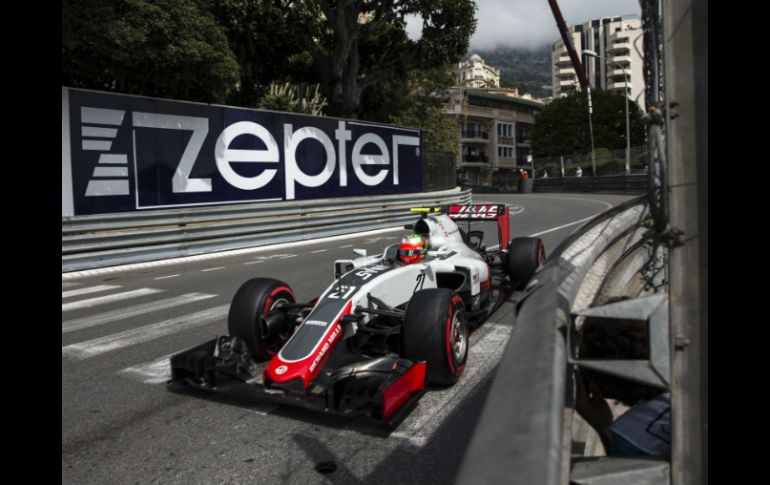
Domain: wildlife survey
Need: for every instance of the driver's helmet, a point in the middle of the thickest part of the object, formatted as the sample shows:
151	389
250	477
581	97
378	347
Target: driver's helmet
413	248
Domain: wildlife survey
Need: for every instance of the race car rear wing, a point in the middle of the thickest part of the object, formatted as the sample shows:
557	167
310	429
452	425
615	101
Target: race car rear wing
485	212
475	212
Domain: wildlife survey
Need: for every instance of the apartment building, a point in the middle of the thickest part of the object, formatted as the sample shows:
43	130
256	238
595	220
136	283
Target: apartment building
619	41
474	73
495	128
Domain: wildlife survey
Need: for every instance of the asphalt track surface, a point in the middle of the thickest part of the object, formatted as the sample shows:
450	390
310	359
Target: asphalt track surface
121	425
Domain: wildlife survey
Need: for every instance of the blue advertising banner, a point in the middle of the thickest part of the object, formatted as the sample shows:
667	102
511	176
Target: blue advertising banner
131	153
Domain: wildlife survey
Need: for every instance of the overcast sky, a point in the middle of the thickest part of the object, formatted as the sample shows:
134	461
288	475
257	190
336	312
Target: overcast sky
530	23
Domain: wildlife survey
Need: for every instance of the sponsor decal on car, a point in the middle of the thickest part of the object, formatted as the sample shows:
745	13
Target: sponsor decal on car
479	211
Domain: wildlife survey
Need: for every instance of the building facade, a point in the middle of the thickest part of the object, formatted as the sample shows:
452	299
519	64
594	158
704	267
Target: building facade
474	73
495	127
612	38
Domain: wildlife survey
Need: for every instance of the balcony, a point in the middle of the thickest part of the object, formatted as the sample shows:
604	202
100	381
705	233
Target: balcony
622	60
472	134
564	60
619	73
566	73
620	85
619	48
567	83
480	159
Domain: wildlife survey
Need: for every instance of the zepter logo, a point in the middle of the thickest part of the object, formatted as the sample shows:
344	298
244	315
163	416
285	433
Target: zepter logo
281	369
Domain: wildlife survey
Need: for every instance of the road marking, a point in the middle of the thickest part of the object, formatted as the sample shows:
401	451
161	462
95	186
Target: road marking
101	300
483	355
132	311
347	246
562	226
166	277
90	348
318	251
213	269
156	372
253	262
90	289
286	256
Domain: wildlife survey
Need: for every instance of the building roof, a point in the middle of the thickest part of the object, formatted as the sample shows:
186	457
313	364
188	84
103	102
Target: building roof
482	93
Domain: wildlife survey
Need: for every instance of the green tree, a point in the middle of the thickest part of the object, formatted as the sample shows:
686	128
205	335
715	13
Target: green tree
561	127
422	107
362	44
165	48
269	39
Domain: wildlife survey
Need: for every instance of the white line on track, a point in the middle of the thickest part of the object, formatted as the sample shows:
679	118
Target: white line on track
253	262
318	251
167	277
108	299
347	246
85	291
213	269
483	355
90	348
561	227
132	311
158	371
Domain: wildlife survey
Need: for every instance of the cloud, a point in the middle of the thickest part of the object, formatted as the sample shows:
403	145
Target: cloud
530	23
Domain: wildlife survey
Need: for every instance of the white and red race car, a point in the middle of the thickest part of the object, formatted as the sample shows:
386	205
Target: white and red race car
379	333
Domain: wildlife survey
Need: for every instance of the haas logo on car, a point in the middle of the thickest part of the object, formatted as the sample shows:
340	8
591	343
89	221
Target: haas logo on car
474	211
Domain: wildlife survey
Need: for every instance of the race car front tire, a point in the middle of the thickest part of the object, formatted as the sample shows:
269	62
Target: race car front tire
253	300
435	331
525	255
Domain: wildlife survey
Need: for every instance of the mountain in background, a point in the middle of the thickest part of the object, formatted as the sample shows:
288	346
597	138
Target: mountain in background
528	70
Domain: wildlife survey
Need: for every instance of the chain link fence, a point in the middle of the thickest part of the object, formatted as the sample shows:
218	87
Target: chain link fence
438	171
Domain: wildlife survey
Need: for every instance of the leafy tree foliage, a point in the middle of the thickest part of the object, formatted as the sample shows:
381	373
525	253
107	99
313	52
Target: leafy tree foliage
561	127
423	108
269	39
361	44
165	48
294	98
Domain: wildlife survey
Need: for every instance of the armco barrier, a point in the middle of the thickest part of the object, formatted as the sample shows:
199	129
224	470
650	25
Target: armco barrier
523	435
618	184
111	239
625	184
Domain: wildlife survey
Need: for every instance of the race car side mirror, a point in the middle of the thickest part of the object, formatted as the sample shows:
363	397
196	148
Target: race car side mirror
342	266
360	252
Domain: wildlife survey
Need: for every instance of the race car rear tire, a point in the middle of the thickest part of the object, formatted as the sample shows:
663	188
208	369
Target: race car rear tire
435	331
525	255
254	299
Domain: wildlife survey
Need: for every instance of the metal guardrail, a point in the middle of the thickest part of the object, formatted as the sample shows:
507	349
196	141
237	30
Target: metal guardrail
524	433
627	184
621	184
111	239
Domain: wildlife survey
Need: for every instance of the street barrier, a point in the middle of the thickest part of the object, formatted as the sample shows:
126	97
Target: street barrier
524	433
110	239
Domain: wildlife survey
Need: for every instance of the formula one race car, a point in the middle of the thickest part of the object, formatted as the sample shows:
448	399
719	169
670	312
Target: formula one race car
388	325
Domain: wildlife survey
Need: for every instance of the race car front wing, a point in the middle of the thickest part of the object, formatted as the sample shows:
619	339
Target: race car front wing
384	388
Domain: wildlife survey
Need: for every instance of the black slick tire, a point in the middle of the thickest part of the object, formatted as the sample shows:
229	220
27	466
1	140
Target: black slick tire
525	255
253	299
435	331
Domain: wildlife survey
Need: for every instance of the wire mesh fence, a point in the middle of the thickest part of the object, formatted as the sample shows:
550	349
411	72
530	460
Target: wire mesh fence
438	171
